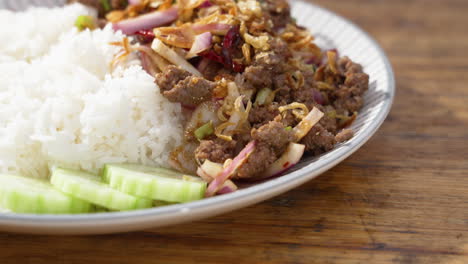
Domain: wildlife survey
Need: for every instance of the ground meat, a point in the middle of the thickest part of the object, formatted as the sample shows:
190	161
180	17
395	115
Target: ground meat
280	82
344	135
258	162
261	74
347	66
170	77
270	60
348	97
191	91
329	123
280	48
118	4
217	150
212	70
318	140
287	119
260	115
354	76
272	140
257	77
306	96
360	81
279	12
274	135
180	86
348	105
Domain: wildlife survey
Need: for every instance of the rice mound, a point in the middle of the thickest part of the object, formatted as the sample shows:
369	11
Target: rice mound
62	105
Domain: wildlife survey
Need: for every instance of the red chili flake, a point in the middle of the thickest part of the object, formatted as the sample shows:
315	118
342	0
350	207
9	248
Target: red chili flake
231	42
237	67
211	55
286	165
145	35
232	38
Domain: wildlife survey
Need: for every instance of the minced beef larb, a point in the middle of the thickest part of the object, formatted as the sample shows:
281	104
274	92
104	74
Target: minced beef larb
274	94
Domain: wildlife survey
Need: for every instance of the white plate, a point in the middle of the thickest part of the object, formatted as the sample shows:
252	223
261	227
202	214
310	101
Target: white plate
331	30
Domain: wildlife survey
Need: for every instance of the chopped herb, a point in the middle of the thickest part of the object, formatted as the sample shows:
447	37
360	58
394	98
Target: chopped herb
204	131
289	128
106	5
84	22
262	96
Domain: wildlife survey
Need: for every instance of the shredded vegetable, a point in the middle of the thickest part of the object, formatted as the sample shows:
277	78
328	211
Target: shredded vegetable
262	96
299	110
210	170
172	56
244	70
230	170
307	123
290	157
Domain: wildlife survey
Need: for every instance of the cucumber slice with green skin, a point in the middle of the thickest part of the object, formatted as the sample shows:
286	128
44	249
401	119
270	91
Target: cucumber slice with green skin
155	183
26	195
91	188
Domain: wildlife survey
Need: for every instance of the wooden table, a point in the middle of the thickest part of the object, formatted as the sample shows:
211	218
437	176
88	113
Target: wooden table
402	198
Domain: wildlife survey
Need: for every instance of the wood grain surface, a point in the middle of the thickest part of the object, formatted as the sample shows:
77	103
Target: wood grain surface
402	198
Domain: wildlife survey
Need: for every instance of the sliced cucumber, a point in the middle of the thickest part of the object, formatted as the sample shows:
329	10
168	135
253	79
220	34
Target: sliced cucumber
4	210
25	195
155	183
92	189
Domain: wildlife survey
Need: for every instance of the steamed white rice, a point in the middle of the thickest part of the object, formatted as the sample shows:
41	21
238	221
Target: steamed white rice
61	105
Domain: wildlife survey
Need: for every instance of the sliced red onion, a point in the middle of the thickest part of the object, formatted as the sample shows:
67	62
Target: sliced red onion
134	2
290	157
209	170
313	60
206	4
215	28
201	43
228	187
148	21
318	97
307	123
229	171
